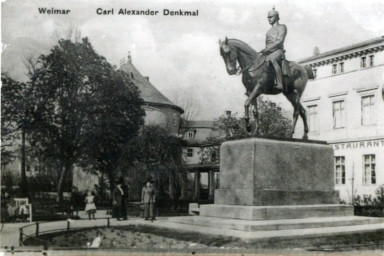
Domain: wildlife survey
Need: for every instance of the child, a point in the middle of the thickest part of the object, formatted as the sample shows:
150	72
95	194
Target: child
90	206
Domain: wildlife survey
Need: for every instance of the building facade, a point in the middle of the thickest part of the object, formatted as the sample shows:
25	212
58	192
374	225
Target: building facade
159	110
200	158
345	107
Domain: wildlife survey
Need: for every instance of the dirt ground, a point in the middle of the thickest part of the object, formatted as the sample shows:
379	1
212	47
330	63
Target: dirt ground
121	239
144	238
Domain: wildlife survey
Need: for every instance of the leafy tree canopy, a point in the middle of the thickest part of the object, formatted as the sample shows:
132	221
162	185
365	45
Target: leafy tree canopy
230	127
84	109
11	114
271	120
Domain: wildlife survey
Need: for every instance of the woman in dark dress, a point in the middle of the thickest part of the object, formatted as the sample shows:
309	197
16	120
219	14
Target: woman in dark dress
120	199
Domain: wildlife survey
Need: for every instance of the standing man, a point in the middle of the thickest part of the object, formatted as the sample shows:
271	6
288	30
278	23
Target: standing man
274	50
148	198
120	199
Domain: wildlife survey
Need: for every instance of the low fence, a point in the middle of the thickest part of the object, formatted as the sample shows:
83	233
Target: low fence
32	231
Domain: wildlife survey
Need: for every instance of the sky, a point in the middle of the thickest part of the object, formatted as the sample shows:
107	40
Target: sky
181	54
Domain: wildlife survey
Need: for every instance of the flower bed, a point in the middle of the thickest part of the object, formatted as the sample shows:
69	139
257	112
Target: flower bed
117	238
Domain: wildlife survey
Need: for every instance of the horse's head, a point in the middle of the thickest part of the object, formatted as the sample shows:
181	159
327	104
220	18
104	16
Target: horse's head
229	54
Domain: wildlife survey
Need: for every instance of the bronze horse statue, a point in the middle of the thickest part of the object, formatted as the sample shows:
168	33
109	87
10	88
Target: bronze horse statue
259	78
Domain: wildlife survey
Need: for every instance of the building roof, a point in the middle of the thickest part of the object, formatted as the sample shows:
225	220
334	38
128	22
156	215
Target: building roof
200	144
148	92
343	49
203	167
197	124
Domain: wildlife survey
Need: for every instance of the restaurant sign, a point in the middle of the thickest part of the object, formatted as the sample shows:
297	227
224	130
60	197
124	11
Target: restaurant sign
359	144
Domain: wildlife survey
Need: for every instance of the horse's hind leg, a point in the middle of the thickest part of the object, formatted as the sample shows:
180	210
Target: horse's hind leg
304	117
294	98
255	113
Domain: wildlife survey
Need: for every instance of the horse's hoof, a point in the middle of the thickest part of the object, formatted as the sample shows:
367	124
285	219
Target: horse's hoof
305	137
248	127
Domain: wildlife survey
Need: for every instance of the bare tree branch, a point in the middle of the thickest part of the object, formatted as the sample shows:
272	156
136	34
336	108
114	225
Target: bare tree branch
30	63
72	33
191	107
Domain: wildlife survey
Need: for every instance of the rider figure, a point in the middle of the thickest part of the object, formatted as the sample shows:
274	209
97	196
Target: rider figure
274	49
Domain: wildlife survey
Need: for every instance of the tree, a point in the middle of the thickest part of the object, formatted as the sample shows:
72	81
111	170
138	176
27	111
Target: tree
190	106
15	113
272	121
157	152
115	120
72	88
229	127
10	91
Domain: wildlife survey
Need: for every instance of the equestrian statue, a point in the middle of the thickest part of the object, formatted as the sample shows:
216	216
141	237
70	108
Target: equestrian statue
267	72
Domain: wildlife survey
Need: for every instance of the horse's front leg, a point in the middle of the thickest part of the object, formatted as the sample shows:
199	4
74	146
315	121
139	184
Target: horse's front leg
246	110
254	94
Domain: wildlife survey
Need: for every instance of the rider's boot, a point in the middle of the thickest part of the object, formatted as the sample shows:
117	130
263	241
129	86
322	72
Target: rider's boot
279	75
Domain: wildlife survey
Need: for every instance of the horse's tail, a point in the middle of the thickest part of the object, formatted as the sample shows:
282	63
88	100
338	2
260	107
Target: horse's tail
309	72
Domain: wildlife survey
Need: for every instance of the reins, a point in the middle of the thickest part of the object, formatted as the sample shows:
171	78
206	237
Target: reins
249	65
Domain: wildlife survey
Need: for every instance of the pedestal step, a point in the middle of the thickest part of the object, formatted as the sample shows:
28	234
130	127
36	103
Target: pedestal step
269	225
275	212
315	236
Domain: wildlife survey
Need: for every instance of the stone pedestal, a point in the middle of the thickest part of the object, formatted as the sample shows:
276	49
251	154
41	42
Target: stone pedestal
264	172
257	213
276	189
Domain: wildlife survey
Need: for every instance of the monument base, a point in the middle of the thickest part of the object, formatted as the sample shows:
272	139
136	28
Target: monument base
263	197
275	212
261	172
282	225
272	190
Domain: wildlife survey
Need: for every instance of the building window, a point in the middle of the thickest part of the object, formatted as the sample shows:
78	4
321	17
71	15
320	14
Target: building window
369	172
175	119
190	152
339	170
314	73
213	156
313	118
339	114
368	110
191	135
341	67
371	60
363	62
334	69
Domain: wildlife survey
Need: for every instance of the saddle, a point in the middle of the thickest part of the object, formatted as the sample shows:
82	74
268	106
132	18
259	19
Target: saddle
258	62
285	68
284	64
286	75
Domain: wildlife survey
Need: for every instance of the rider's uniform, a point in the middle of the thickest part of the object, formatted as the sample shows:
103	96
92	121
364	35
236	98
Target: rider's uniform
275	42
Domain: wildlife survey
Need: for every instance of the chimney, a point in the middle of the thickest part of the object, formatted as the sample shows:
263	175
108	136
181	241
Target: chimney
122	62
147	78
316	51
228	113
129	57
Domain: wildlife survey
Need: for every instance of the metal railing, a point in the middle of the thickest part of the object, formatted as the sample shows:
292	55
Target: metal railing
32	231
